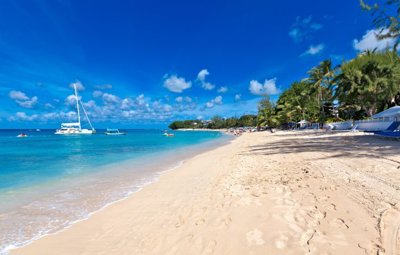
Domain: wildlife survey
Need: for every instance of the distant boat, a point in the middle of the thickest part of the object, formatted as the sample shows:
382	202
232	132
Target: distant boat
22	135
168	134
75	128
114	132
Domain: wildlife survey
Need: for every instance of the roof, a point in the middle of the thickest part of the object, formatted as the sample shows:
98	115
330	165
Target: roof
303	122
391	112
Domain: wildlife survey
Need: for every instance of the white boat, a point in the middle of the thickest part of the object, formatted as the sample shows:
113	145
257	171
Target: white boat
75	128
114	132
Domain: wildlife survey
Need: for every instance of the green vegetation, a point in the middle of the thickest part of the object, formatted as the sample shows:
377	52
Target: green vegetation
368	84
360	88
217	122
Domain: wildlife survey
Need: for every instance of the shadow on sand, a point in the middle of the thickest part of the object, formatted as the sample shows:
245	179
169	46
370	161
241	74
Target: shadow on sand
334	144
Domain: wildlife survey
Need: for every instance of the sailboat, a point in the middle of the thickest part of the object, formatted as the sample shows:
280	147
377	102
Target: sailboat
75	128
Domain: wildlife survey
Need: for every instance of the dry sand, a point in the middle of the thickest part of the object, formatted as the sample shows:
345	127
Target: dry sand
282	193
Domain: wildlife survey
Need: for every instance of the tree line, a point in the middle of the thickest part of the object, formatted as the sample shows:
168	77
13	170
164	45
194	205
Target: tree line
356	89
217	122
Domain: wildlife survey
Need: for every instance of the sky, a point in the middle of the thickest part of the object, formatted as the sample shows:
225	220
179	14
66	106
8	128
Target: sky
146	63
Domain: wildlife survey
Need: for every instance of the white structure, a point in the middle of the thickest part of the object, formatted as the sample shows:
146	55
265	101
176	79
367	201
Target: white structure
392	113
344	125
303	123
75	128
388	119
373	125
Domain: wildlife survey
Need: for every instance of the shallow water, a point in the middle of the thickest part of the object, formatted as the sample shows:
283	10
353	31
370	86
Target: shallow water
48	182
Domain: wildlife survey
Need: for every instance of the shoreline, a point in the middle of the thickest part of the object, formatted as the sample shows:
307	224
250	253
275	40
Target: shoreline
287	192
168	163
201	129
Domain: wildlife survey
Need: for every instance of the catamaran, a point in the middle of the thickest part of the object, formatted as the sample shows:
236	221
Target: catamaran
75	128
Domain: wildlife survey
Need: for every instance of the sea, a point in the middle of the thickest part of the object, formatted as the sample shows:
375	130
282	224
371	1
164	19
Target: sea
48	181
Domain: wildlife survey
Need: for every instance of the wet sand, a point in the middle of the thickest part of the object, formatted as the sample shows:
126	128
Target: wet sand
281	193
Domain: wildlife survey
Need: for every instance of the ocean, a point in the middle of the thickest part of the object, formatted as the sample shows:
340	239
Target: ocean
48	182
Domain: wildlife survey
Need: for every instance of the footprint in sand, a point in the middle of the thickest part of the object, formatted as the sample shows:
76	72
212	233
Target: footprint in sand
200	222
209	249
281	242
254	237
180	222
340	223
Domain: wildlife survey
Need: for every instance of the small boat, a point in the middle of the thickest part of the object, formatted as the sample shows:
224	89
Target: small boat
22	135
114	132
168	134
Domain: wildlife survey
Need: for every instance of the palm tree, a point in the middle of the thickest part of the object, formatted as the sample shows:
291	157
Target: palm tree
266	113
321	79
368	82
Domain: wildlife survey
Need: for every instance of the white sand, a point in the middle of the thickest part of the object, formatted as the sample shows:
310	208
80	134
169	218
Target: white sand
282	193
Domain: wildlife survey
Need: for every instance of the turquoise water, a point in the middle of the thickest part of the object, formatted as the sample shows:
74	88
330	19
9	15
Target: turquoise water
48	181
43	156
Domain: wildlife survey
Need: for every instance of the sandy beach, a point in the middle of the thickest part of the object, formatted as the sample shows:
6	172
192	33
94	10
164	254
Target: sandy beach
264	193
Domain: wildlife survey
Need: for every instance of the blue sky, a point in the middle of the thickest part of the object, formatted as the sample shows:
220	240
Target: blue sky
145	63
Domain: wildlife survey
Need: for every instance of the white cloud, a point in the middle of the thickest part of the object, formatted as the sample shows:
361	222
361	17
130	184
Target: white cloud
176	84
90	104
223	89
303	29
127	104
167	108
49	106
179	99
210	104
97	93
216	101
207	86
18	95
22	99
140	100
28	103
268	88
110	98
370	41
78	84
188	99
201	76
71	100
314	49
23	116
238	97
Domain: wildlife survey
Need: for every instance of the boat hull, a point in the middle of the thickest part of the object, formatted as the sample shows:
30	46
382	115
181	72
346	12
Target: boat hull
75	132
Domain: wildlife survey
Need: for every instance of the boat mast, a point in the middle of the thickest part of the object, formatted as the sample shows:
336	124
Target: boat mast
87	117
77	106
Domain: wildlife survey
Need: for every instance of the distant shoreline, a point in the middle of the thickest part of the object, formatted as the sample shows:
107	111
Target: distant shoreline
201	129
